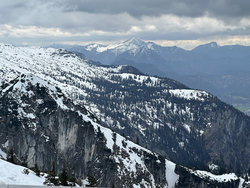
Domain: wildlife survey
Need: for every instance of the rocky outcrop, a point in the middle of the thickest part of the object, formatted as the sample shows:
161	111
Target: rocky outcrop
227	139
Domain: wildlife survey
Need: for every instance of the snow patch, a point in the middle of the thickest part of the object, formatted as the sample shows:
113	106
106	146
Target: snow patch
139	78
213	167
219	178
241	183
171	177
189	94
187	127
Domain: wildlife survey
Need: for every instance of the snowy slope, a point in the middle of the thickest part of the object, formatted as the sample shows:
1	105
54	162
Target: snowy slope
60	67
74	75
11	174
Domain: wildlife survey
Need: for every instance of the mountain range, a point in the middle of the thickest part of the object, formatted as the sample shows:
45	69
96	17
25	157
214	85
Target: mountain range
100	120
221	70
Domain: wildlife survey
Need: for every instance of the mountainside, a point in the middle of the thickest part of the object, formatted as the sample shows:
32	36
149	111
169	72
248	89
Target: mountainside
42	125
188	126
221	70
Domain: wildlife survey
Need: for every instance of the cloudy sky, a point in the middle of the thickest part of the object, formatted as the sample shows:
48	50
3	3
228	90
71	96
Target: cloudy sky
185	23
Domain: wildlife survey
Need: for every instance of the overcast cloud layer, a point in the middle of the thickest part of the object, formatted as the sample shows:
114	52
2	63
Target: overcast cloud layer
50	21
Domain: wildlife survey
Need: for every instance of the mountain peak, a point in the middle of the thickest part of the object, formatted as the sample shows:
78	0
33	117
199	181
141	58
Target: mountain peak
211	45
134	40
133	46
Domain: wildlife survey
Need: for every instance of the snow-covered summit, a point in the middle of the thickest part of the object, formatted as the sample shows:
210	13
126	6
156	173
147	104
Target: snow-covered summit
133	46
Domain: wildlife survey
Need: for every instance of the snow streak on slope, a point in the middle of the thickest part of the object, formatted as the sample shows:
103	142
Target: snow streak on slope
11	174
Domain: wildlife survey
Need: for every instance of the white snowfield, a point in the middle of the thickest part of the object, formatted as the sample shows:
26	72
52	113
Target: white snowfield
11	174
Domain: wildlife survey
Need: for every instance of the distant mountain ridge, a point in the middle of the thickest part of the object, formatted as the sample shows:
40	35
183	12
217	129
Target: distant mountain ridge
221	70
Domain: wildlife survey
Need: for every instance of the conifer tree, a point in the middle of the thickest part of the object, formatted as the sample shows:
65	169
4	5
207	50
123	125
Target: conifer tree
92	181
63	177
10	156
51	177
137	140
36	169
246	178
72	178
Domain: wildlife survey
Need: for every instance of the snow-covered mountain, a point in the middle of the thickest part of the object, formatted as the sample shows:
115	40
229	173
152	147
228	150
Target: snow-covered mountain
220	70
42	125
134	51
133	46
189	126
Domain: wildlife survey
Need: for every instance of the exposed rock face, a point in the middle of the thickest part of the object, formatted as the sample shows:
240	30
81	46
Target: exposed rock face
188	126
42	126
228	139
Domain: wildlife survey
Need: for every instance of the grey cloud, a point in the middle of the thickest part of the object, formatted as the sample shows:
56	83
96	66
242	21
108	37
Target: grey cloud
54	12
138	8
119	16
